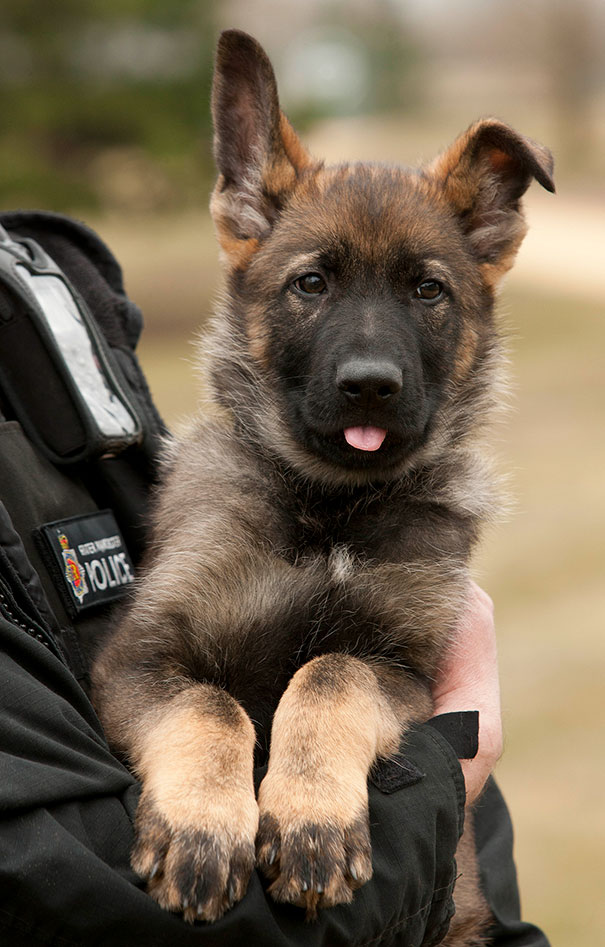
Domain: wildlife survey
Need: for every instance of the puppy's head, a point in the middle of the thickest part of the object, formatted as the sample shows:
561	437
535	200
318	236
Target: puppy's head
357	337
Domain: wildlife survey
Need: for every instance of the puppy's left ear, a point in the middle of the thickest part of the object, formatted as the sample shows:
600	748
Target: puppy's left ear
483	176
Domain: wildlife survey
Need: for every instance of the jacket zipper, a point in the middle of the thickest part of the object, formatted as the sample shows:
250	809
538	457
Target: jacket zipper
14	614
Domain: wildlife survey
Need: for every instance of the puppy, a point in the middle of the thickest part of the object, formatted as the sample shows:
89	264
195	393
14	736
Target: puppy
311	539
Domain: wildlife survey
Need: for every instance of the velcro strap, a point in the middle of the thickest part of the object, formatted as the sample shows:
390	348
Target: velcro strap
461	730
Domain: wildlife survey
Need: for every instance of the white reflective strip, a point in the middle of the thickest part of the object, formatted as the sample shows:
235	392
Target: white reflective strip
71	335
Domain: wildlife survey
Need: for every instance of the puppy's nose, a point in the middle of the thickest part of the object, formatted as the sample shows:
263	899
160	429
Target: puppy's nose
369	382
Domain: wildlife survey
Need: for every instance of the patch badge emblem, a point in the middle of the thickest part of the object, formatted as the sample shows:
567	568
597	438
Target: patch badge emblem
87	560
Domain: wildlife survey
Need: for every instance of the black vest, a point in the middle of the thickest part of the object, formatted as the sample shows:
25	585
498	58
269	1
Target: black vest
75	532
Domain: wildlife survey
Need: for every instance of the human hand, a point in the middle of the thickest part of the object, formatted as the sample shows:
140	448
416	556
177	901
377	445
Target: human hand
469	680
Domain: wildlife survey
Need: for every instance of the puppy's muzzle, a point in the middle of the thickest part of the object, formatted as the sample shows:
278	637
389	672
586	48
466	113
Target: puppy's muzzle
369	383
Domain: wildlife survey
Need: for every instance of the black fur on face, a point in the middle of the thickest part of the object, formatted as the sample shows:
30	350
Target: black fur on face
362	314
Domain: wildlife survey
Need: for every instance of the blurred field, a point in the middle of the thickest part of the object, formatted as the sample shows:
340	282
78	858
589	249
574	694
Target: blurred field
105	105
543	567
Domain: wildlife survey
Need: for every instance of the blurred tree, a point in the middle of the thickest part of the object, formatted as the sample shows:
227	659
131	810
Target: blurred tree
395	57
393	52
82	78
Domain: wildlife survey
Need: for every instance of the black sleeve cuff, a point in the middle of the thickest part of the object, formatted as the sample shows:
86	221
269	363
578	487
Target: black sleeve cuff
461	730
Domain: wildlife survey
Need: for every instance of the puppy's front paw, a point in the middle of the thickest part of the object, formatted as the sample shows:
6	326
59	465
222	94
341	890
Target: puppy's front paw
313	842
200	870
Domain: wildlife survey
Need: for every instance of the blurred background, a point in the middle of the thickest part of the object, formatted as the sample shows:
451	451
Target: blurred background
104	114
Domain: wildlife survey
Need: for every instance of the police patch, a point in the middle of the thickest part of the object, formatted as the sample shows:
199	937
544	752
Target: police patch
87	559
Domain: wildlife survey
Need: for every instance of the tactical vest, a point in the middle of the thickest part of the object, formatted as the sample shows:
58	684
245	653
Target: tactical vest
73	501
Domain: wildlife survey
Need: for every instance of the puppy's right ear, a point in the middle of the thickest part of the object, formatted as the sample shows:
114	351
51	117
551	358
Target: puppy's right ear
258	154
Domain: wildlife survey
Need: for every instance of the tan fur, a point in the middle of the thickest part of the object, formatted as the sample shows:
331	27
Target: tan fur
331	727
238	252
194	757
297	154
333	721
467	350
192	736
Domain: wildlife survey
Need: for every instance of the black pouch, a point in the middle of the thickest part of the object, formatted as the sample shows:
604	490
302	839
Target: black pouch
56	370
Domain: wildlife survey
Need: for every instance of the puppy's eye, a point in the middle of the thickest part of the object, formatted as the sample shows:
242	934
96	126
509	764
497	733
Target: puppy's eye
311	284
431	290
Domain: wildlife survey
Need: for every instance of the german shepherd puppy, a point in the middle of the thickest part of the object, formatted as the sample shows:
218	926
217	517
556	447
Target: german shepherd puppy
310	546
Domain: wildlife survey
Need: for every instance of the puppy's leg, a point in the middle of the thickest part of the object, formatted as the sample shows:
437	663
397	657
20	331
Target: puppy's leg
203	613
333	721
197	817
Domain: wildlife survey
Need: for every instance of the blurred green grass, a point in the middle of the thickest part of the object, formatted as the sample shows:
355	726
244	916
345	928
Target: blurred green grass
543	566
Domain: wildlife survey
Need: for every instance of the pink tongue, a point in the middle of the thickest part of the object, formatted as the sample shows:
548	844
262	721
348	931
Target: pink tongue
365	438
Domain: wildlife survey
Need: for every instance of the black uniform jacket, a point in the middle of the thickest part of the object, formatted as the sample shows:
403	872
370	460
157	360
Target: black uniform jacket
67	804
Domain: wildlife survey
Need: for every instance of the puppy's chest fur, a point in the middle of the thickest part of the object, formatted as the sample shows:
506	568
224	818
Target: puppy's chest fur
382	573
339	527
369	531
375	590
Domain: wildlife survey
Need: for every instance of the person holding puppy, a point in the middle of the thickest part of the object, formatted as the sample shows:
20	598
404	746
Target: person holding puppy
68	803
